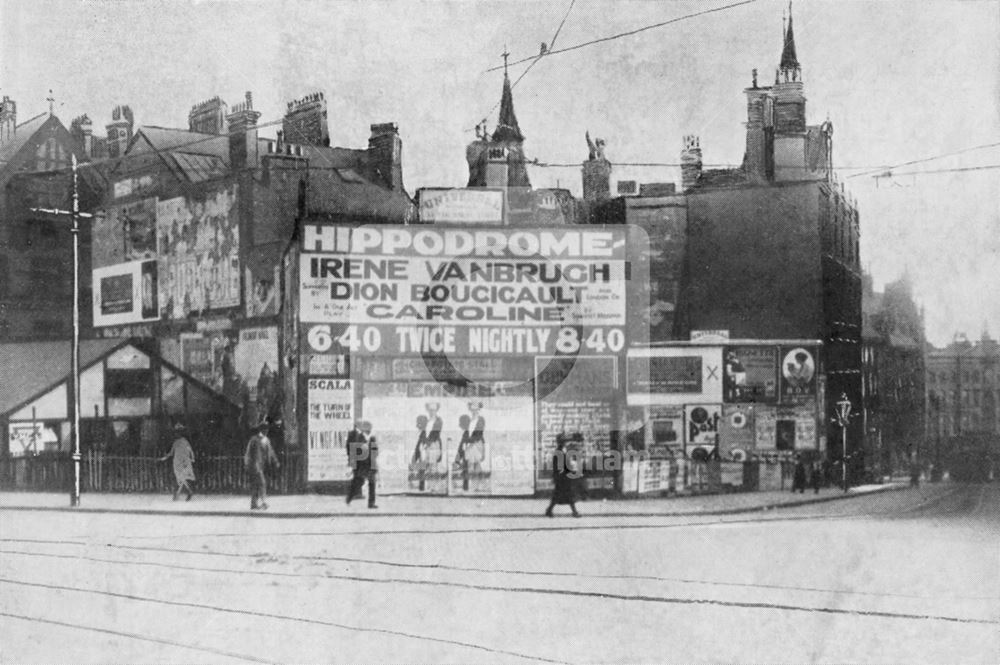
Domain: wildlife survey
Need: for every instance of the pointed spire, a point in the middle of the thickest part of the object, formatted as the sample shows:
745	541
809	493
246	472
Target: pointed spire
507	129
789	62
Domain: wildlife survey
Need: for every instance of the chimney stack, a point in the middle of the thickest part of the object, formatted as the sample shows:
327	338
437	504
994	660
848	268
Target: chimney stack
596	173
242	120
305	121
82	130
690	163
385	150
208	117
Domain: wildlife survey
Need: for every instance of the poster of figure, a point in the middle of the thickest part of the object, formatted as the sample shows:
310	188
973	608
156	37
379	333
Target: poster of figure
256	364
750	374
798	375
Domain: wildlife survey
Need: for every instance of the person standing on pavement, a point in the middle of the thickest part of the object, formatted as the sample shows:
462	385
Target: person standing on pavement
362	453
562	477
799	476
183	456
816	477
259	456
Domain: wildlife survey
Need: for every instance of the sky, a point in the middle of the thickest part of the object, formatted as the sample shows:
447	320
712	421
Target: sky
900	81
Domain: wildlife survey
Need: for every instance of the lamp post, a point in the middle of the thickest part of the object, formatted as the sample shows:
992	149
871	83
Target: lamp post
842	419
75	214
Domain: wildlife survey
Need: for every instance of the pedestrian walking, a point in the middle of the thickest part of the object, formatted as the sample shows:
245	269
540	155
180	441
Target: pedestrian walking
259	456
183	456
362	451
563	472
816	477
915	471
799	476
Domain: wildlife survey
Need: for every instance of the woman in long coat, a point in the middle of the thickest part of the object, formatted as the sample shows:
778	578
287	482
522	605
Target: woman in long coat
562	476
183	456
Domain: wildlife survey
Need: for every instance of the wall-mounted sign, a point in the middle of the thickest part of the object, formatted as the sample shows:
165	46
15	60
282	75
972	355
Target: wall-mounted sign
483	206
702	426
709	335
126	293
330	417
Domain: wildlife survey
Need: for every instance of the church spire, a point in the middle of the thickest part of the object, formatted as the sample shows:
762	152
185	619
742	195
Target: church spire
507	129
789	62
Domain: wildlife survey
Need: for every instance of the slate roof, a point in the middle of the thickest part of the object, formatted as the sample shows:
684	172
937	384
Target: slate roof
22	134
31	368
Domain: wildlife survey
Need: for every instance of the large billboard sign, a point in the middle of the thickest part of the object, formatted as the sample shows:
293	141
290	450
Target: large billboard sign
674	375
126	293
463	291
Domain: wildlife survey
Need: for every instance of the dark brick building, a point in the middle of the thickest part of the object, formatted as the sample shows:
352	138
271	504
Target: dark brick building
769	250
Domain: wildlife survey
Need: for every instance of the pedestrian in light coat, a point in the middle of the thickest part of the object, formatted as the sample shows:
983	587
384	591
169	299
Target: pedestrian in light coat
259	456
183	456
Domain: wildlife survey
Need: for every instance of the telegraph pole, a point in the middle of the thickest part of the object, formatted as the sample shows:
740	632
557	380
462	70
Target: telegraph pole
75	214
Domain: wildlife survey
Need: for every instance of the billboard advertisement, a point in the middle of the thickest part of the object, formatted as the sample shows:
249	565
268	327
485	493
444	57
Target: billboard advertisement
702	429
125	293
199	242
750	374
674	375
463	291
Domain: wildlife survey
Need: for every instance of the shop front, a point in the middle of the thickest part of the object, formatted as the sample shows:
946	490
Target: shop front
468	348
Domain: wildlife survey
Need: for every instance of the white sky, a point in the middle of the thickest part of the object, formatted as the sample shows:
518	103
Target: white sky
900	81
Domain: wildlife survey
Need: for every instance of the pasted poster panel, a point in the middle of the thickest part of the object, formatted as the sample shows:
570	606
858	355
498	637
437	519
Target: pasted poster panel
330	417
125	233
702	429
737	435
428	437
676	375
199	241
765	428
125	293
798	374
750	374
256	364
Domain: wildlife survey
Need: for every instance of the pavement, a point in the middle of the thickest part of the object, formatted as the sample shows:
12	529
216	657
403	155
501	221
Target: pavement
320	505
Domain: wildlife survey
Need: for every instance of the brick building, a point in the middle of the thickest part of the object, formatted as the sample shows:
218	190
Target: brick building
36	254
892	375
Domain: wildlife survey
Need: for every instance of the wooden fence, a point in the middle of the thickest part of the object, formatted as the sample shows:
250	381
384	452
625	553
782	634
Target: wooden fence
107	473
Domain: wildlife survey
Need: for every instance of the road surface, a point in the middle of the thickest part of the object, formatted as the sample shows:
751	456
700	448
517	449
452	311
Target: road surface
910	576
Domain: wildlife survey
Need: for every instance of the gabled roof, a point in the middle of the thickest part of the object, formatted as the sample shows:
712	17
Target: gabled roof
198	168
22	134
32	368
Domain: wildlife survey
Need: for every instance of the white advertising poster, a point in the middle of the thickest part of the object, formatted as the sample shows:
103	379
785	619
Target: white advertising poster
330	417
674	376
404	290
126	293
422	430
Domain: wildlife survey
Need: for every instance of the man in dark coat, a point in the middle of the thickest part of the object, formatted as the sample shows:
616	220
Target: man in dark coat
362	453
799	476
562	476
258	457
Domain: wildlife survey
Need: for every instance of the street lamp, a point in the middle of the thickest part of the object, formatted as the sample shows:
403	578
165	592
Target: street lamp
843	418
75	214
